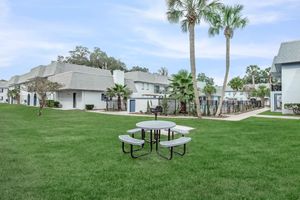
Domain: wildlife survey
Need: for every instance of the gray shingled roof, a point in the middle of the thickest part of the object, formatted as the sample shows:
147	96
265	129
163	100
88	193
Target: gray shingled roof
57	68
145	77
289	52
82	81
130	84
13	80
3	84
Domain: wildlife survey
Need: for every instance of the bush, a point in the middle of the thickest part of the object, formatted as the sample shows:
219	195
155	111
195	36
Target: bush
89	106
50	103
56	104
295	107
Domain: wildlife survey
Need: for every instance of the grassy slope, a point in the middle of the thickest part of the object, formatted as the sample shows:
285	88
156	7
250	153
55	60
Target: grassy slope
76	155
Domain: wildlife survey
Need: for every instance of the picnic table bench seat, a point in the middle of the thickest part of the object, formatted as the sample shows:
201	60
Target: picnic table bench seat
133	131
132	141
177	142
127	139
174	143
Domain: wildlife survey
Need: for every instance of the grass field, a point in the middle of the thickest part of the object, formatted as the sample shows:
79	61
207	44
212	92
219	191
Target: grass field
77	155
277	114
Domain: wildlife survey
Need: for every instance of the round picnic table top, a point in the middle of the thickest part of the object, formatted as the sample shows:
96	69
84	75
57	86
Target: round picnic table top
155	125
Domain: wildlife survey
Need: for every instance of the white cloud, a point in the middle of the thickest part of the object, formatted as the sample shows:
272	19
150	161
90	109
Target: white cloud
27	37
176	46
268	11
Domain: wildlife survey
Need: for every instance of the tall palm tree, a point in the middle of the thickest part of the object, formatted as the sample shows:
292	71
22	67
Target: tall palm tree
118	91
189	13
182	88
229	19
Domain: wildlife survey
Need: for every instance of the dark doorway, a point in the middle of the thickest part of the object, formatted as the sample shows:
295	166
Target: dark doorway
34	100
74	100
28	99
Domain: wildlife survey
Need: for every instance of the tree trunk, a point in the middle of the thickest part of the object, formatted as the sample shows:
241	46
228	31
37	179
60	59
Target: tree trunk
262	101
183	107
42	104
218	113
193	67
119	103
253	81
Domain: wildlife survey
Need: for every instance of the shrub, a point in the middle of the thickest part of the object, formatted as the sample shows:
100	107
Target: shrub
295	107
56	104
89	106
50	103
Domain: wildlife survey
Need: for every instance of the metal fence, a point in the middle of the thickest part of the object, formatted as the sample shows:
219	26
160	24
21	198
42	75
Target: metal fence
209	107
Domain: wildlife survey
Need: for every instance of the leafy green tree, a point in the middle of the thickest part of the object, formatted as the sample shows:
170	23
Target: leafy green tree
98	58
163	71
41	86
138	68
182	88
236	84
229	19
189	13
119	91
203	78
80	56
262	92
252	75
265	76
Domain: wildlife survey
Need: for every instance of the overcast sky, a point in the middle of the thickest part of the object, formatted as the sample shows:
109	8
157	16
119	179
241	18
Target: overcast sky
34	32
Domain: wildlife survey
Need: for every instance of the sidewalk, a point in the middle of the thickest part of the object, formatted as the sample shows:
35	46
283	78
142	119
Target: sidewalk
277	117
237	117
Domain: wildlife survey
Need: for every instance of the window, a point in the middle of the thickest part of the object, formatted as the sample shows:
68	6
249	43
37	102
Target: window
147	86
1	98
1	90
143	86
156	89
103	97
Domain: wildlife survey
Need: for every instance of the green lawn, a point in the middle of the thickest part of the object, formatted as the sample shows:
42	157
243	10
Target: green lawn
77	155
277	114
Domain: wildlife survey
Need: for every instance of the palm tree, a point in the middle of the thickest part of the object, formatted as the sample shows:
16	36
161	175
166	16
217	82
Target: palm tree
14	94
236	84
118	91
189	13
127	93
208	91
262	92
182	88
229	18
163	71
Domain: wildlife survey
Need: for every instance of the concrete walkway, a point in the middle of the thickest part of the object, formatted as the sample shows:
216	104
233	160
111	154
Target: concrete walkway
277	117
236	117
